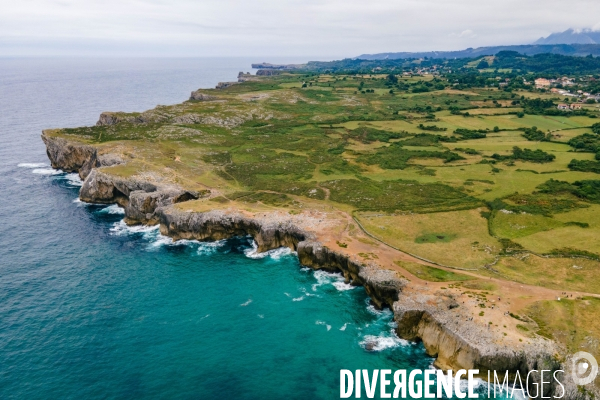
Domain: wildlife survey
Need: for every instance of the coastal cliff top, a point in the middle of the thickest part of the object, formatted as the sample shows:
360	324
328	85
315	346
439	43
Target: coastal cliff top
464	191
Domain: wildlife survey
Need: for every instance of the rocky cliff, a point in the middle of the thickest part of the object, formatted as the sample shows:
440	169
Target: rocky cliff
433	318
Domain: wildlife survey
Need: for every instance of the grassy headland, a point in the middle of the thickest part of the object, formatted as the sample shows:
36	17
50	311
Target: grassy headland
475	177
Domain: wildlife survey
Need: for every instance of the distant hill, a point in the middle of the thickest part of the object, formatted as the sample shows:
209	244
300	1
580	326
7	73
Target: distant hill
570	36
528	49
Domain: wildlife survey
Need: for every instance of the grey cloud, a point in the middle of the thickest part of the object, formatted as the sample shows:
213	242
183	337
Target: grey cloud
325	28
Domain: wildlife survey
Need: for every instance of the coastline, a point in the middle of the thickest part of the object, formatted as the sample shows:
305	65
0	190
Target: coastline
421	311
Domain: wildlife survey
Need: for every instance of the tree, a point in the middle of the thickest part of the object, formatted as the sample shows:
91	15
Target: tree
483	64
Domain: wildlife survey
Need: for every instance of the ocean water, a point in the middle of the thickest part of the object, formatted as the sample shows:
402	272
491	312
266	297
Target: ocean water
92	309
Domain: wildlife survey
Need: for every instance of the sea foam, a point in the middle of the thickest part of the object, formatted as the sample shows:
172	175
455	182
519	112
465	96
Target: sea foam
32	165
73	179
332	278
275	254
382	341
121	228
46	171
112	209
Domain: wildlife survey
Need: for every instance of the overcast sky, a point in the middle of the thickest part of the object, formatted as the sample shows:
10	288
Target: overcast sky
323	29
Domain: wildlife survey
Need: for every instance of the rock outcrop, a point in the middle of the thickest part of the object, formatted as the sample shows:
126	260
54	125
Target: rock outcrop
268	72
199	96
218	225
70	156
383	286
443	327
142	205
223	85
99	187
151	116
107	119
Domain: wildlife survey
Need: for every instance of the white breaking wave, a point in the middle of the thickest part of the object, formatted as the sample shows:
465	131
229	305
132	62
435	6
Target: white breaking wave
385	313
343	328
307	293
162	240
121	228
246	303
73	179
324	324
112	209
274	254
382	342
47	171
209	247
333	278
323	278
342	286
32	165
298	298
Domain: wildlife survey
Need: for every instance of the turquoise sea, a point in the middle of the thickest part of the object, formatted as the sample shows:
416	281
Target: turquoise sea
92	309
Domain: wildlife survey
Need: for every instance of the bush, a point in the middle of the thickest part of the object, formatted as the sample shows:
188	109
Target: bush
536	156
535	135
585	166
471	133
586	142
588	190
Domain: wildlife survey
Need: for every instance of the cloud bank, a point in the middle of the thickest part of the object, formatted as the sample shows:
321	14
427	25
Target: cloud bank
322	28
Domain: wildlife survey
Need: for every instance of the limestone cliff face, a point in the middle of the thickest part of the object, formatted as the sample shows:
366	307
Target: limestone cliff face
383	286
199	96
444	328
142	205
217	225
99	187
107	119
70	157
268	72
112	118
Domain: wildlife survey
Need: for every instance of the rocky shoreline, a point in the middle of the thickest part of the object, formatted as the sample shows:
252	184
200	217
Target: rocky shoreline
433	318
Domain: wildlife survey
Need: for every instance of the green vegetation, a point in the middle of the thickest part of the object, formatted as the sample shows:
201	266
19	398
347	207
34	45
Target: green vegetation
535	135
435	237
536	156
391	196
396	156
571	322
432	274
585	166
471	133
